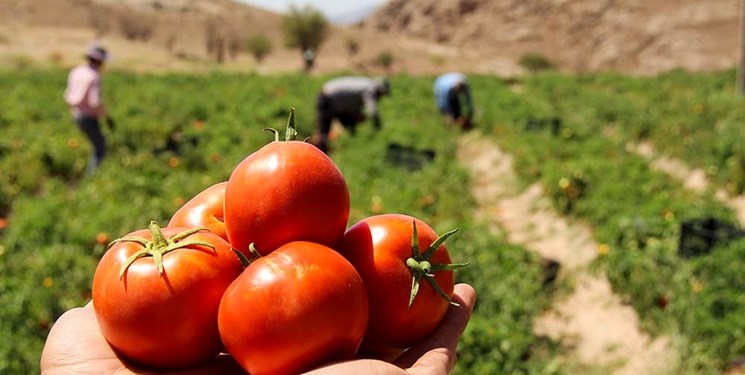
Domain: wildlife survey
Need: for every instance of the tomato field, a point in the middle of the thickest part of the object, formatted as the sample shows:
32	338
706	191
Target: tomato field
178	134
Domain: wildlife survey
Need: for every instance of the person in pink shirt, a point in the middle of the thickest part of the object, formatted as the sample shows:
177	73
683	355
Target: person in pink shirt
83	96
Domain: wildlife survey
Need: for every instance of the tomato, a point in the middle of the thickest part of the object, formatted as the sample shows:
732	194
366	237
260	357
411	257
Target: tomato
297	308
203	210
409	279
285	191
156	293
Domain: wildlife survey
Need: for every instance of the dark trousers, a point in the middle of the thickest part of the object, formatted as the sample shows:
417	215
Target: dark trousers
91	127
326	114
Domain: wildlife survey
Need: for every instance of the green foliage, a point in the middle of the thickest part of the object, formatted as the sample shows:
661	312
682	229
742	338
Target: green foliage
305	28
591	171
259	45
56	215
385	59
535	62
587	165
22	62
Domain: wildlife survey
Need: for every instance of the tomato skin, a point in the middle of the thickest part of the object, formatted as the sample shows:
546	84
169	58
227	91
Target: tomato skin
303	196
378	247
205	209
166	321
297	308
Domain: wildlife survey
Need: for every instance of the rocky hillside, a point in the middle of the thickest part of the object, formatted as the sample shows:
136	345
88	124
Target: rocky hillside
633	36
183	27
421	36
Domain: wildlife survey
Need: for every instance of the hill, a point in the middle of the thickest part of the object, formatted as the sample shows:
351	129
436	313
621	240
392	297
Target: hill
142	34
422	36
638	36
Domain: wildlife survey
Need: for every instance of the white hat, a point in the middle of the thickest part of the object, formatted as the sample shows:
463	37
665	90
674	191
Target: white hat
97	53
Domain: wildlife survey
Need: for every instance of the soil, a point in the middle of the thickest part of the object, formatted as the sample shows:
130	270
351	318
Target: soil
598	330
631	36
422	36
692	178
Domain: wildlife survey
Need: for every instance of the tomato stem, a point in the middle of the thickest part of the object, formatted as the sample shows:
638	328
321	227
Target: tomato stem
254	253
421	267
159	245
291	133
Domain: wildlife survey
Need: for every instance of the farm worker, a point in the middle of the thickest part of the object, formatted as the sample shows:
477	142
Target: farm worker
349	100
75	345
83	96
453	97
309	57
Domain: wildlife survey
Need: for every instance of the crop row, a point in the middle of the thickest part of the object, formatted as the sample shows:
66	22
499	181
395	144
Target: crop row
177	134
575	135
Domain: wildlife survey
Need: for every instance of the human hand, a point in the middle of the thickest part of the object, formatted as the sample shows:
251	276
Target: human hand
434	356
75	345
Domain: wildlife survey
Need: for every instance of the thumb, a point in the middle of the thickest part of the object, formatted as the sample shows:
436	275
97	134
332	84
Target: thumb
438	351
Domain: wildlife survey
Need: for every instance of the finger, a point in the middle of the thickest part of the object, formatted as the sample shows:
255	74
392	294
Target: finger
75	342
439	349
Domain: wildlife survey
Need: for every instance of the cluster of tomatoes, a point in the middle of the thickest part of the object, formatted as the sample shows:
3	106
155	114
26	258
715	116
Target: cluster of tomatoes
263	267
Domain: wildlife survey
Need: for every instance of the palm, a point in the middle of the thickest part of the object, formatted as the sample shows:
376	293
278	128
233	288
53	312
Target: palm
76	346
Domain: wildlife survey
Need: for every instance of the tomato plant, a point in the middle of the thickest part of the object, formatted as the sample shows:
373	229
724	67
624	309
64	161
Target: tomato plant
299	307
203	210
285	191
395	254
156	293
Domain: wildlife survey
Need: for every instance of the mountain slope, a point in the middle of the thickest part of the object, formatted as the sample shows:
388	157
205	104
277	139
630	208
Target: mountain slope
633	36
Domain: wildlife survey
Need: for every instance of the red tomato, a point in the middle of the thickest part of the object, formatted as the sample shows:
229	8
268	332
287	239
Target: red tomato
297	308
204	210
156	295
388	256
285	191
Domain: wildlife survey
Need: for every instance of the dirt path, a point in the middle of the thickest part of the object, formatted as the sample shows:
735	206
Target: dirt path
592	323
692	178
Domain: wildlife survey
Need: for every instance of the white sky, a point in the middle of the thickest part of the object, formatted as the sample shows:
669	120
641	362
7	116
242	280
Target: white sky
331	8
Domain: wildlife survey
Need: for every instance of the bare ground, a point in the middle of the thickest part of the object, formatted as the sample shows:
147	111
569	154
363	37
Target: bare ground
692	178
595	327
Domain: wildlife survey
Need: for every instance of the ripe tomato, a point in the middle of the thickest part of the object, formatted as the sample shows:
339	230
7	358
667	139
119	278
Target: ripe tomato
297	308
203	210
156	294
409	279
283	192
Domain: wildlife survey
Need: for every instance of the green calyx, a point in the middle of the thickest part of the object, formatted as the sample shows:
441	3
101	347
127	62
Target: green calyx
421	267
291	132
158	245
252	256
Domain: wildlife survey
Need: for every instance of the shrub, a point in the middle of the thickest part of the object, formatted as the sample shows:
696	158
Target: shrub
535	62
259	45
305	28
384	59
352	45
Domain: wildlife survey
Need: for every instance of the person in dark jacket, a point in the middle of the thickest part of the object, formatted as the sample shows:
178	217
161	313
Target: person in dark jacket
349	100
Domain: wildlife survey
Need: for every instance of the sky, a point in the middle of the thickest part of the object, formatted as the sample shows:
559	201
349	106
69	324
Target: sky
335	10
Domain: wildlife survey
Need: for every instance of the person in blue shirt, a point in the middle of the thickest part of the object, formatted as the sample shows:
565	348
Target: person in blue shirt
453	97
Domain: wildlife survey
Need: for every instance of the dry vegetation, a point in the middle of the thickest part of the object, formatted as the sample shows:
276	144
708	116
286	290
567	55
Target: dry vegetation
415	36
